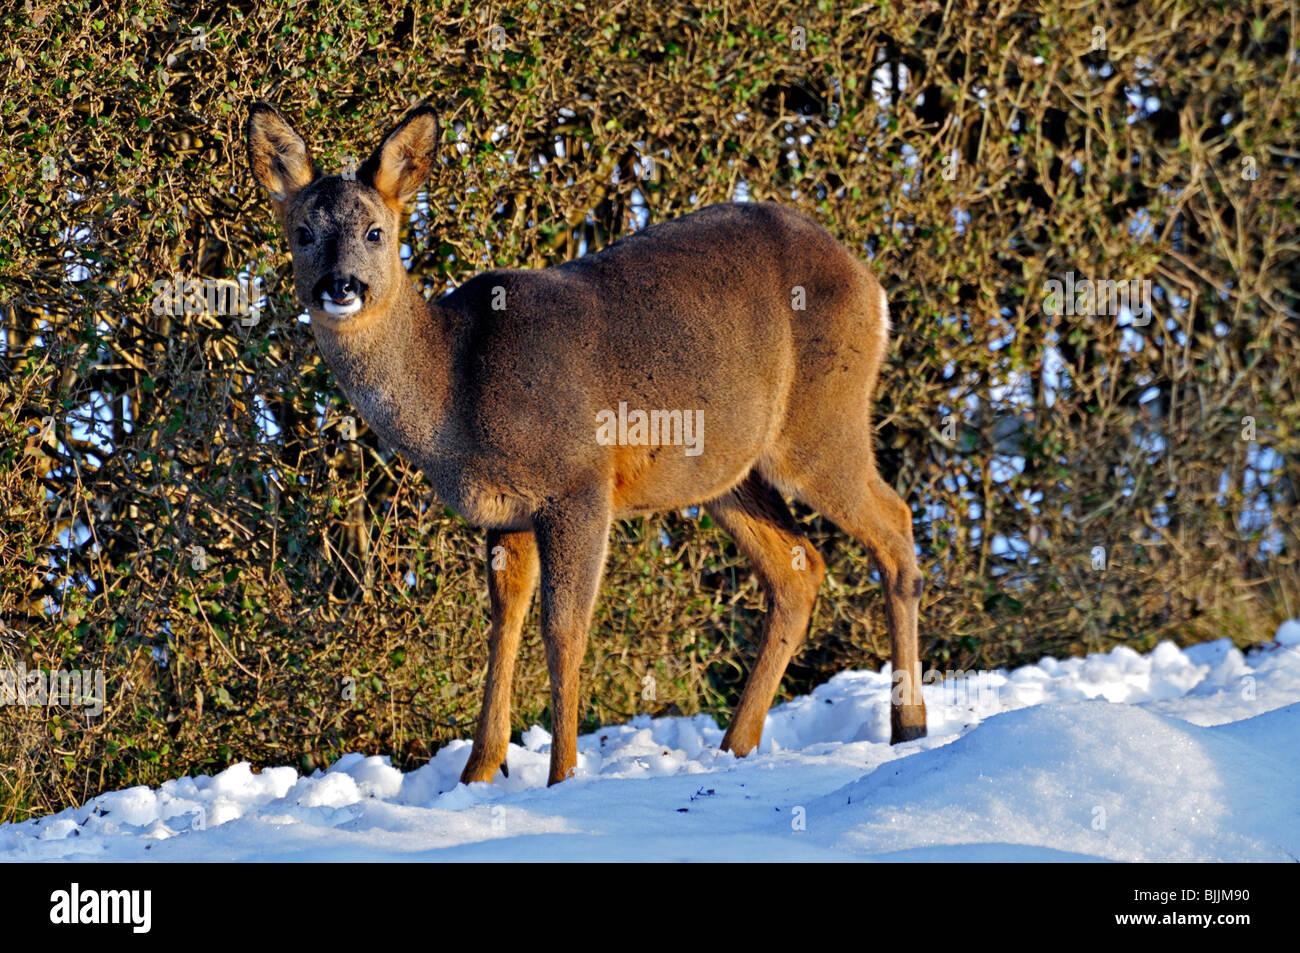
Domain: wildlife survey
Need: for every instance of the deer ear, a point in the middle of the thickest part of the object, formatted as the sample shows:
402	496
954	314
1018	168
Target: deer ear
280	160
403	160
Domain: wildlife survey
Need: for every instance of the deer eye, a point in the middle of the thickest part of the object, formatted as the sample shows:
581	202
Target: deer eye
373	235
305	237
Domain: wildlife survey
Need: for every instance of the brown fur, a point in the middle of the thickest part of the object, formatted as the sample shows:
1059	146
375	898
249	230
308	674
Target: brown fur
499	407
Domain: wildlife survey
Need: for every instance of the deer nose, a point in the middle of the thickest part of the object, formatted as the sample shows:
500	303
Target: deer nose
345	288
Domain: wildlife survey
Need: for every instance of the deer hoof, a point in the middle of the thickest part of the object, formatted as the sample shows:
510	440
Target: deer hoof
906	723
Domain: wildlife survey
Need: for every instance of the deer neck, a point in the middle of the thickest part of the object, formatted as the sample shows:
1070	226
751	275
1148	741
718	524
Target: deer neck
395	368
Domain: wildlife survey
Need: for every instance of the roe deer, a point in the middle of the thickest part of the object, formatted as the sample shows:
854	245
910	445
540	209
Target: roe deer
748	318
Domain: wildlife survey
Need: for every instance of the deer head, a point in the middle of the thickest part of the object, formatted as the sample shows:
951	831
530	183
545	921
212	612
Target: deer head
343	230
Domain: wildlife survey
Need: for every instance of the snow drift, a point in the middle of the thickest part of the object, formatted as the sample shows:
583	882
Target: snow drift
1177	755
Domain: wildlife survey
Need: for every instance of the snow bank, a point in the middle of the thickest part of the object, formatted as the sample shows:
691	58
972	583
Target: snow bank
1096	779
1189	754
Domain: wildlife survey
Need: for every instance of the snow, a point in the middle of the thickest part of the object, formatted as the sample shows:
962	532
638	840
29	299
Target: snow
1177	755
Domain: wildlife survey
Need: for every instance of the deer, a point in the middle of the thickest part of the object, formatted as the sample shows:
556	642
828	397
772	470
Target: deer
750	318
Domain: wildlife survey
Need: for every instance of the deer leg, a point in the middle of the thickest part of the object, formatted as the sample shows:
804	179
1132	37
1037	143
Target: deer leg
790	572
512	577
882	521
572	538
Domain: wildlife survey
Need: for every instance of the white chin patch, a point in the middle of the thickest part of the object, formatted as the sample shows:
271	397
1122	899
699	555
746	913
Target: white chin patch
341	310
